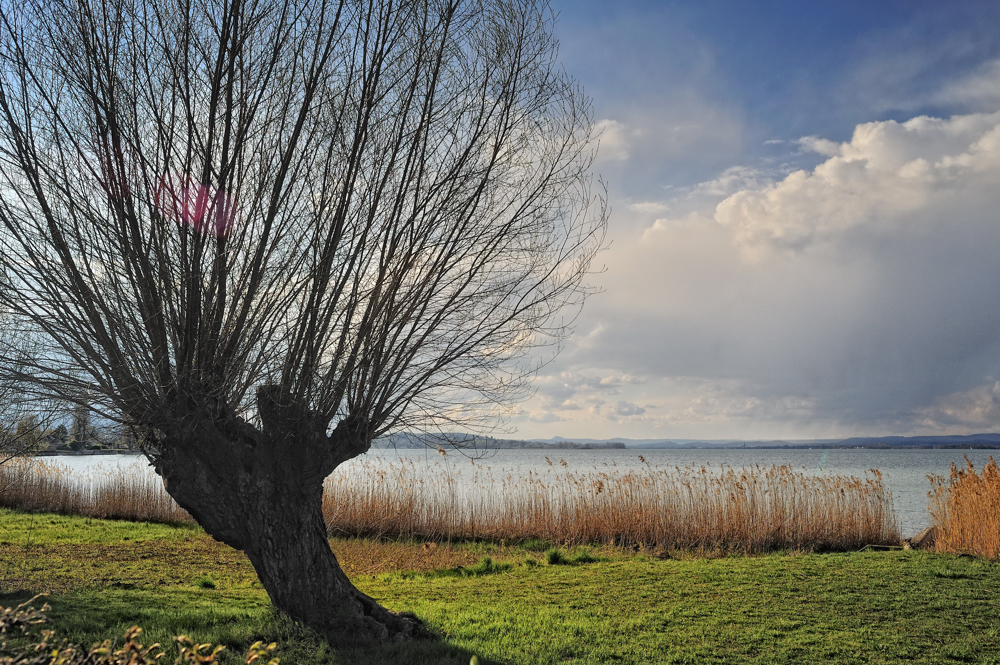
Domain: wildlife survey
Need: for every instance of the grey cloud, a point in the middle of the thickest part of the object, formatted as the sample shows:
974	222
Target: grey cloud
978	407
624	408
542	417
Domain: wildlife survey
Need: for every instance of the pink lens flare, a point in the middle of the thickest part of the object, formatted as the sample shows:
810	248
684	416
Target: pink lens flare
202	207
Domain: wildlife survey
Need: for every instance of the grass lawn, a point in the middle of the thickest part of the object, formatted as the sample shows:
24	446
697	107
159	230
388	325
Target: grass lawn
869	607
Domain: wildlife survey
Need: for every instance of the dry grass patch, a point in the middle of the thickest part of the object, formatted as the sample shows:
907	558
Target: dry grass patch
32	560
370	557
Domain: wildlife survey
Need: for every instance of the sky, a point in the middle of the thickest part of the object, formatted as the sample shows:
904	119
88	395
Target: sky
805	221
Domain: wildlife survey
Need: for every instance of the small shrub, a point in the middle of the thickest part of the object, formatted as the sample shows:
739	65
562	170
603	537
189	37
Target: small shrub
485	566
25	620
536	545
205	582
949	573
555	558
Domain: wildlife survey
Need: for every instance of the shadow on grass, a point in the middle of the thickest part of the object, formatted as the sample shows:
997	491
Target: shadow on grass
233	619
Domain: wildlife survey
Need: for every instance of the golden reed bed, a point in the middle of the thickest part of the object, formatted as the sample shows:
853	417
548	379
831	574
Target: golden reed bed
965	508
40	485
690	508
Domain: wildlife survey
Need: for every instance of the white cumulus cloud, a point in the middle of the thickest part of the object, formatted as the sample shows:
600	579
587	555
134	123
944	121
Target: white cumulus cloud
889	178
614	140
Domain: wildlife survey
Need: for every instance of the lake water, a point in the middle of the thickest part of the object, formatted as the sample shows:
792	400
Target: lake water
903	471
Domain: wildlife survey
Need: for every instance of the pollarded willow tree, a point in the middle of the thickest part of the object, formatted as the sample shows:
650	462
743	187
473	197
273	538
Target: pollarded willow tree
264	233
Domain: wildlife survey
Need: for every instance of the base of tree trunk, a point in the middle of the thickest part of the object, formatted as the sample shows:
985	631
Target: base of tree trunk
266	499
330	604
377	625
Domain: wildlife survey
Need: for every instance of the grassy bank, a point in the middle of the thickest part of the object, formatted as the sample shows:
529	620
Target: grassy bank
878	607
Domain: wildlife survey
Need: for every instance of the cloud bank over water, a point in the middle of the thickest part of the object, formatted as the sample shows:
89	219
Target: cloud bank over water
861	295
804	230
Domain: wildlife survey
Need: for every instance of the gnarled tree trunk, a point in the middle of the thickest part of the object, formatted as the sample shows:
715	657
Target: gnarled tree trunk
262	492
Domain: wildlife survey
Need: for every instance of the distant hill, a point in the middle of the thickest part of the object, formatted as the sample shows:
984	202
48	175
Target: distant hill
408	440
967	441
990	440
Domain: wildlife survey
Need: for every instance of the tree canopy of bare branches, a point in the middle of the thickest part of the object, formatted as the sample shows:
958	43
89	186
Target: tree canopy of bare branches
264	233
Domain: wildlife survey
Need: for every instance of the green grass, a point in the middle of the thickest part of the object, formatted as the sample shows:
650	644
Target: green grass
868	607
41	529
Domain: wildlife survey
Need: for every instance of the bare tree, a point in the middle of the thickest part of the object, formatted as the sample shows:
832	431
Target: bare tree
20	430
264	233
23	419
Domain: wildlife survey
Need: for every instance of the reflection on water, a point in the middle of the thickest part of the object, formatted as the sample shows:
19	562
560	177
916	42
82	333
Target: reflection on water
904	471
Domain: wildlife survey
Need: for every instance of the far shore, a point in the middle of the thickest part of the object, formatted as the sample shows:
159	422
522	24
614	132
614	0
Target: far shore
83	453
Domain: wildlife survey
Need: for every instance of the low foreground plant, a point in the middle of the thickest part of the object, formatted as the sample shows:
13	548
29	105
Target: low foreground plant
24	621
965	508
879	607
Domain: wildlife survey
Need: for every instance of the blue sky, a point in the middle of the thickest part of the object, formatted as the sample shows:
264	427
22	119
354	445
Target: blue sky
780	70
805	218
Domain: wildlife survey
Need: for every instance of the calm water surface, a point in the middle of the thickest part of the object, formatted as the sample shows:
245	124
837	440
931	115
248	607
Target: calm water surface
903	471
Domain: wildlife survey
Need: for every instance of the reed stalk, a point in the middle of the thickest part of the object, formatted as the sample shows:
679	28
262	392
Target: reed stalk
965	509
691	508
721	509
37	485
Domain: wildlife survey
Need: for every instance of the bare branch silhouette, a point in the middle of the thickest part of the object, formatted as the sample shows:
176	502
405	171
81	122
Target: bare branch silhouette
264	233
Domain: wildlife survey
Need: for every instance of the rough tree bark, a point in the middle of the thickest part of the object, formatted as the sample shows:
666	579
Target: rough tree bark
261	491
